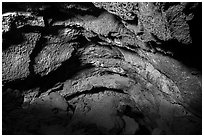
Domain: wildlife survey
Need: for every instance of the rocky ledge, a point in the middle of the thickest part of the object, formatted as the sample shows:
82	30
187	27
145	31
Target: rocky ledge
102	68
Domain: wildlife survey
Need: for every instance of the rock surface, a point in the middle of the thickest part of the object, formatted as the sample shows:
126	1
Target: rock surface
113	68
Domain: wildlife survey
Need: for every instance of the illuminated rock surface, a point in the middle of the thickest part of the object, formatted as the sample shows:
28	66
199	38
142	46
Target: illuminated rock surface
101	68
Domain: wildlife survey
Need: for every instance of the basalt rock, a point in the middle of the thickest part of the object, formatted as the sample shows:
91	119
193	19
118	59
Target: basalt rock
15	60
101	68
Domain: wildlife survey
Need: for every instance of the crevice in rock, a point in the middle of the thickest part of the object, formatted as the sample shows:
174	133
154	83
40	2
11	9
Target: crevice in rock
108	72
38	47
81	54
93	91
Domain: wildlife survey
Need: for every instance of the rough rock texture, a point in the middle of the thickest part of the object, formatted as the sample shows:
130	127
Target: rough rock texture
15	60
108	68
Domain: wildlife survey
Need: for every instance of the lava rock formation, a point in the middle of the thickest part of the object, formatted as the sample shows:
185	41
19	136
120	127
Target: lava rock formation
118	68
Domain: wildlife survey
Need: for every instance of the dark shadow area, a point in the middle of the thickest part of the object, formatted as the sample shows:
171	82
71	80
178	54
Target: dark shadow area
14	6
32	29
189	55
196	33
34	121
134	113
17	38
133	22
